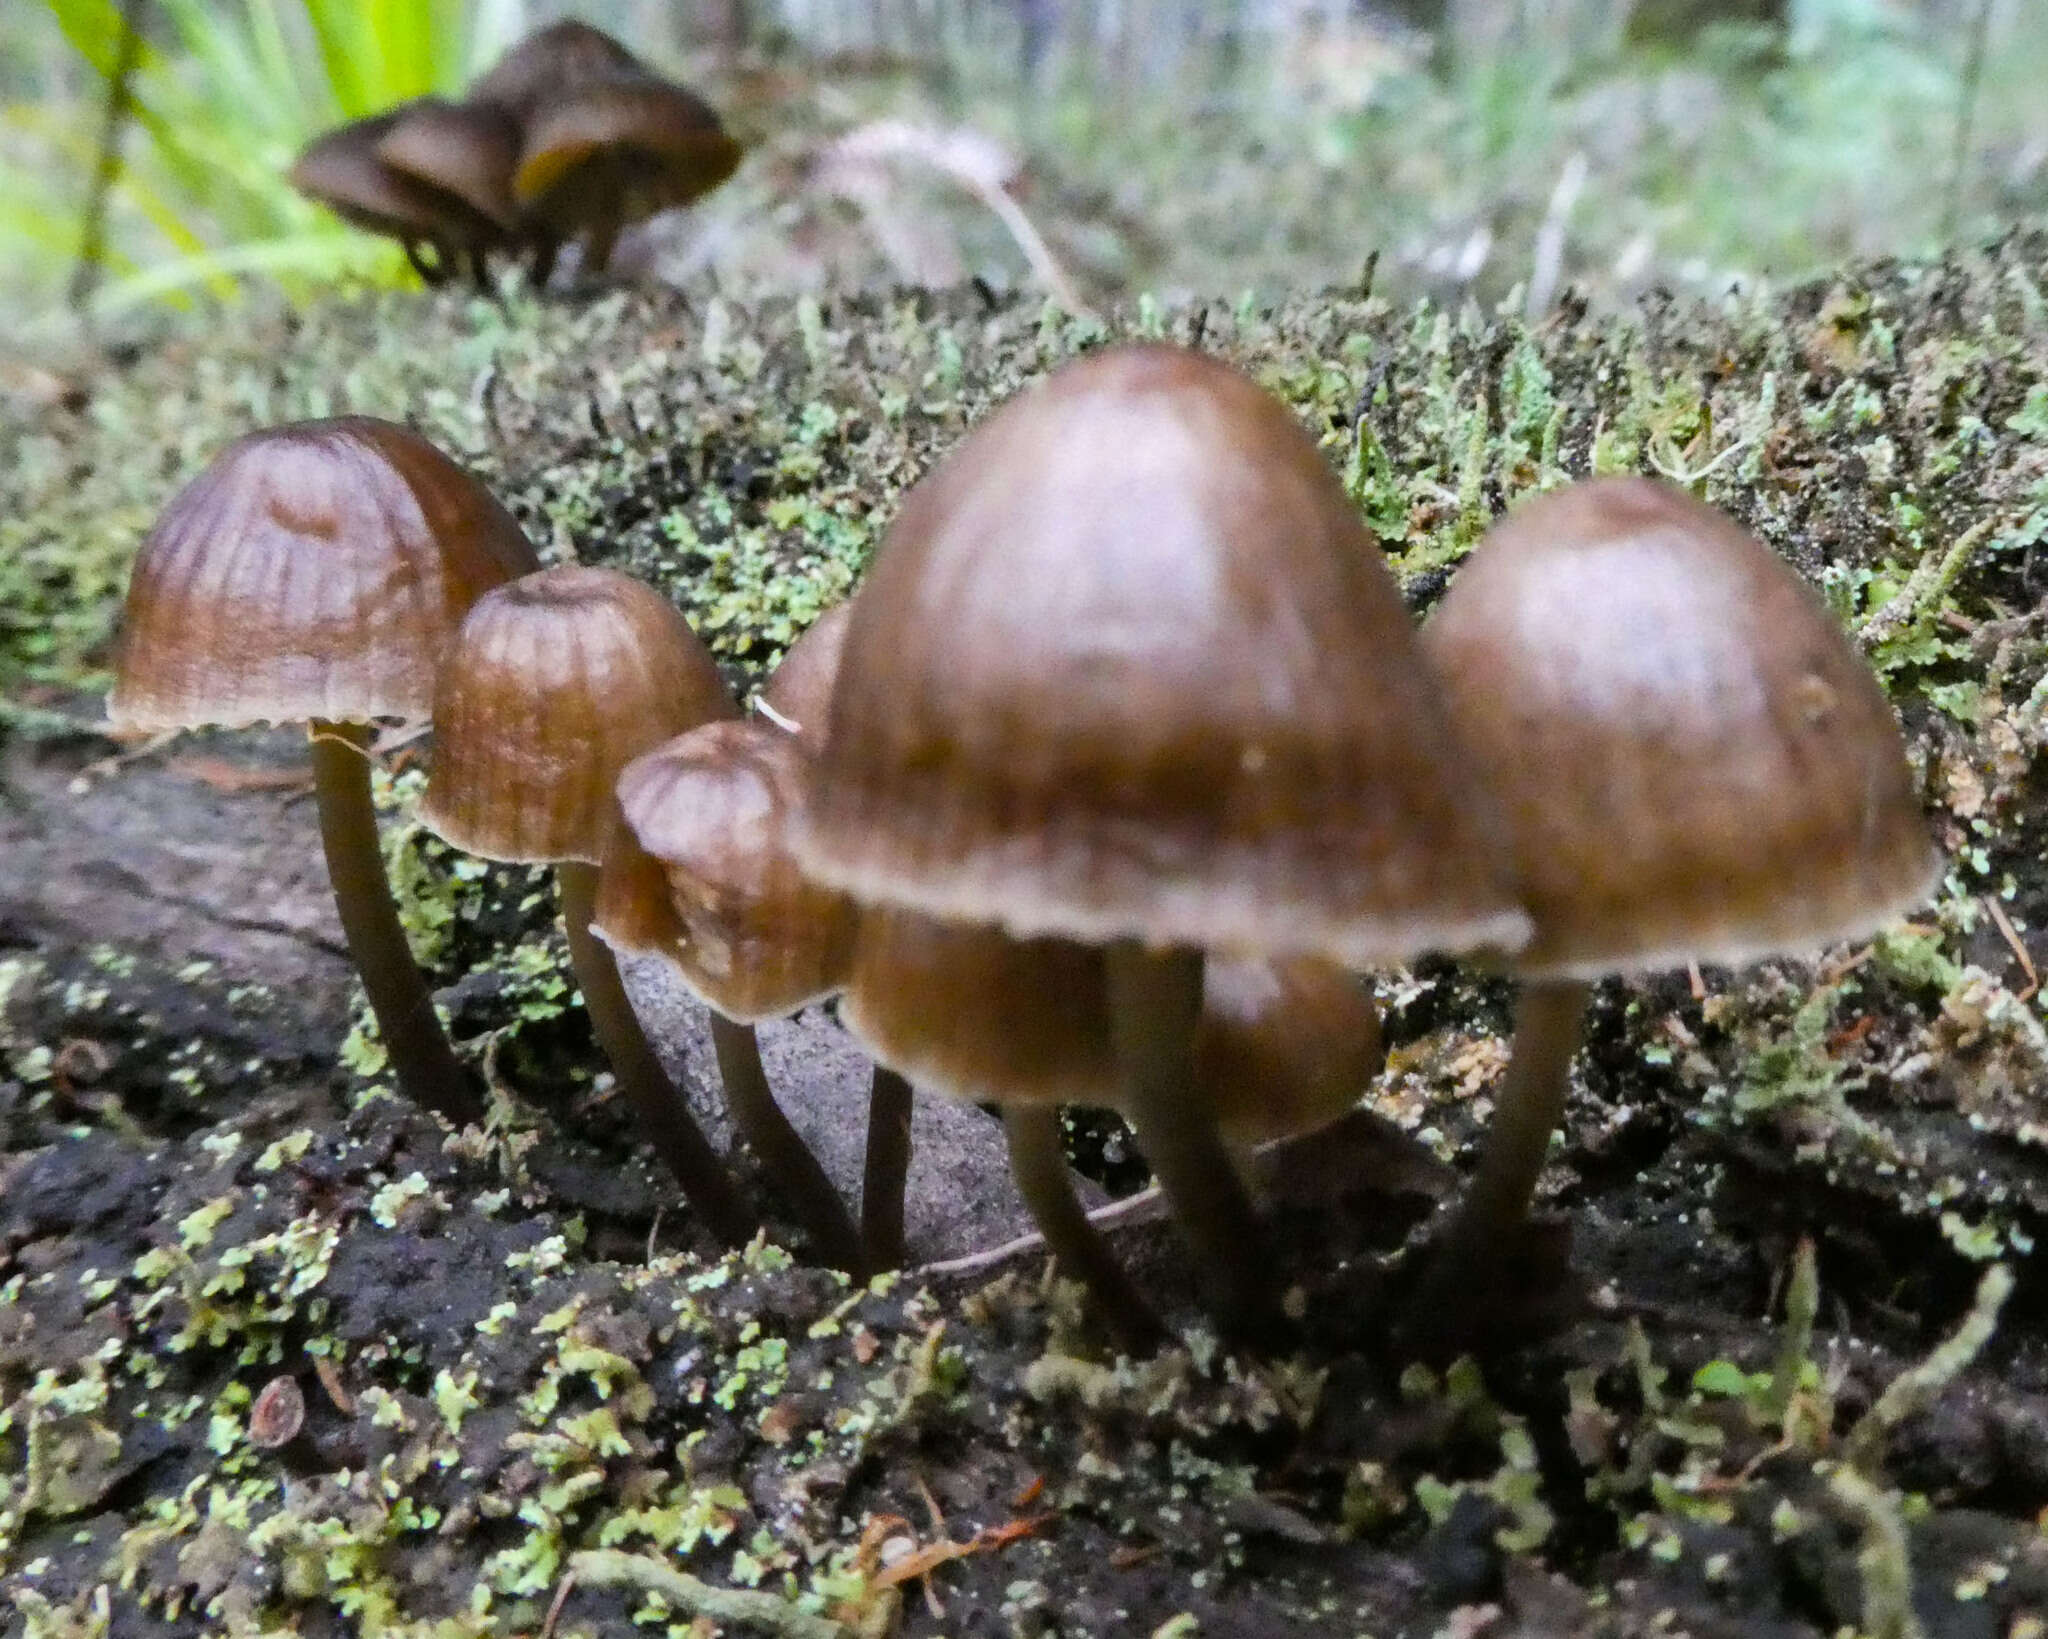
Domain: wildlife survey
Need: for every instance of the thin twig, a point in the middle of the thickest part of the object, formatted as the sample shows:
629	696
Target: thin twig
1967	89
2019	949
92	232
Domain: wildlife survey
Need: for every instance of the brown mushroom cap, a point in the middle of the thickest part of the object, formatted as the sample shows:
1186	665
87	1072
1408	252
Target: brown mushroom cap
1692	759
551	686
798	694
551	62
1128	665
1282	1047
964	1009
756	938
466	149
633	133
344	171
633	912
311	571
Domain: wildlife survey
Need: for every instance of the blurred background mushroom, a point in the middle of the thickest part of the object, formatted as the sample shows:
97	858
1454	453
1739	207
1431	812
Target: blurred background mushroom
1579	148
349	171
315	573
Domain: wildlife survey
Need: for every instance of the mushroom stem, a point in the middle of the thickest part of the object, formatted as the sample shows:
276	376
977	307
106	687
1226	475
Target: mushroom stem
783	1154
607	216
426	1066
1550	1016
663	1113
886	1170
433	272
1038	1162
1155	1001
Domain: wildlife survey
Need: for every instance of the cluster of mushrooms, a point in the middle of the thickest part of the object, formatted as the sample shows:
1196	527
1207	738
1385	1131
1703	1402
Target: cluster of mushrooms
569	137
1122	766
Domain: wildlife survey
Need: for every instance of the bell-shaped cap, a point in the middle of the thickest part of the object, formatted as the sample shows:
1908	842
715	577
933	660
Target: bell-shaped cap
552	685
798	693
1692	760
754	938
633	136
550	63
344	171
1284	1047
1128	666
466	149
316	570
1281	1048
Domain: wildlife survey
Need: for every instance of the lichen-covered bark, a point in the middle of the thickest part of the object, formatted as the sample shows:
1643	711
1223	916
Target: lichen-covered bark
509	1360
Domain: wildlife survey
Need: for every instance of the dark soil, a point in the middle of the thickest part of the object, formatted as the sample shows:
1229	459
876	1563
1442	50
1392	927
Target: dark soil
534	1401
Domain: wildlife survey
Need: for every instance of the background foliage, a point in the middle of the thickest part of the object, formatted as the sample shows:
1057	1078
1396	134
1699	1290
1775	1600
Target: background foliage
1611	145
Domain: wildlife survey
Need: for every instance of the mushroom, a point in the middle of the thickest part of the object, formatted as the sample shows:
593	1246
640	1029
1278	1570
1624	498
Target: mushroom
314	573
1282	1048
345	170
1692	762
796	698
749	934
615	151
1128	670
552	684
466	150
549	63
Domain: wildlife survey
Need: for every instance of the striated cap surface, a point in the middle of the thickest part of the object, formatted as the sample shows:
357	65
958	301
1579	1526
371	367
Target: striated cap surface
754	937
798	693
552	685
1693	761
1128	665
312	570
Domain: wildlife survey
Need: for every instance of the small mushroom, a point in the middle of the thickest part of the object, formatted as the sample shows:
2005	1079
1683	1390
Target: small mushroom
1128	670
314	573
345	171
550	63
606	139
1282	1049
466	150
552	685
752	936
1692	762
796	699
615	151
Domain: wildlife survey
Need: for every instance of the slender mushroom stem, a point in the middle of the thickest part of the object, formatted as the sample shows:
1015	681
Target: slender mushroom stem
1550	1016
783	1154
426	1066
1155	1001
1038	1162
434	272
663	1112
546	247
886	1170
607	216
